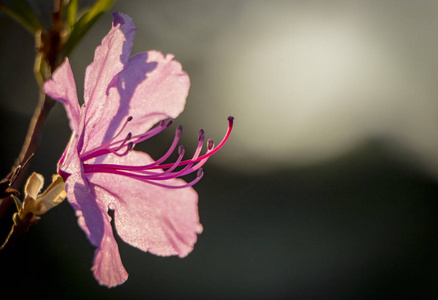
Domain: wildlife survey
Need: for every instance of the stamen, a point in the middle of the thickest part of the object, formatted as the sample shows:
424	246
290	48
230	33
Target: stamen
168	171
188	168
197	166
199	176
210	144
129	119
97	151
214	150
145	173
151	179
129	147
154	131
95	167
181	152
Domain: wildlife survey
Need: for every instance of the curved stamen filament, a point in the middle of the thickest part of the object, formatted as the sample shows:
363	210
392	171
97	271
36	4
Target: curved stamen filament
142	137
210	146
99	152
230	128
95	167
108	143
128	148
147	173
151	179
199	176
187	169
108	147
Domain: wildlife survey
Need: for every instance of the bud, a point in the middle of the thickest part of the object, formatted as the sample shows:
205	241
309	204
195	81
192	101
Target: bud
38	204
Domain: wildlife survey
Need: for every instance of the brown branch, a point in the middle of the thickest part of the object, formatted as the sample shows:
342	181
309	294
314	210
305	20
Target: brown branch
30	145
48	45
34	133
19	228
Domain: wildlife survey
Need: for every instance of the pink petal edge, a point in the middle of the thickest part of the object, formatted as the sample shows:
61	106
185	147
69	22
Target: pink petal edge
62	87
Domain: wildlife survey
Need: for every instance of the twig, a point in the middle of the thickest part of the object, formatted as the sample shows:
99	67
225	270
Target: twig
48	46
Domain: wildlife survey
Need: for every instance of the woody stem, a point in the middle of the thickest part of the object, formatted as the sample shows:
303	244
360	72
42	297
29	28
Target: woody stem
48	46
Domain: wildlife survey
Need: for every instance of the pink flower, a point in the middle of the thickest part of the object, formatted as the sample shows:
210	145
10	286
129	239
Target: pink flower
124	97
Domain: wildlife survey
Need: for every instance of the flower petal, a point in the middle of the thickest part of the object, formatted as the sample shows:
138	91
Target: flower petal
70	162
109	59
82	197
96	223
62	87
159	220
107	264
152	87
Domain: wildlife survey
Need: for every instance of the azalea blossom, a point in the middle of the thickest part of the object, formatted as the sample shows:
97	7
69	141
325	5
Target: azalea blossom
124	97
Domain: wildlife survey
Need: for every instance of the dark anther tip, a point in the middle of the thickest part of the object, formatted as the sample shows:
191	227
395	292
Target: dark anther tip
210	144
181	149
200	134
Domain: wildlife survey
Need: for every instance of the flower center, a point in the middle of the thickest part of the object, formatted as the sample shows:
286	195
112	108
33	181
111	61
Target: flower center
155	172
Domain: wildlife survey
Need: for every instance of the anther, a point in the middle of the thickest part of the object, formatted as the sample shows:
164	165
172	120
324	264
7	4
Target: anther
200	134
210	144
179	130
180	149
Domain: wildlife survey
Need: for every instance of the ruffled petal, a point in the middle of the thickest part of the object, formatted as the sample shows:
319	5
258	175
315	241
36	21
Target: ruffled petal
159	220
109	59
62	87
96	223
152	87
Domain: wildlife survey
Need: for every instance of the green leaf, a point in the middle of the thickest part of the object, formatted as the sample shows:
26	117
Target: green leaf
71	11
22	13
85	22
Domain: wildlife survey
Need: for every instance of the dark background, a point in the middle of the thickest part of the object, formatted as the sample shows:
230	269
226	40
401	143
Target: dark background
327	187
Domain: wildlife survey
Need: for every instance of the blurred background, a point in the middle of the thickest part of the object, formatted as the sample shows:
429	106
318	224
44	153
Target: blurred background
327	188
